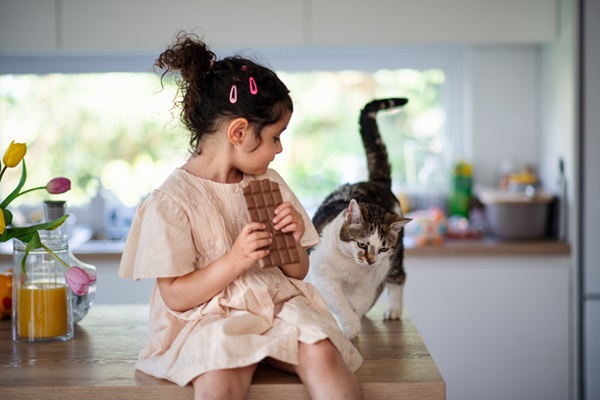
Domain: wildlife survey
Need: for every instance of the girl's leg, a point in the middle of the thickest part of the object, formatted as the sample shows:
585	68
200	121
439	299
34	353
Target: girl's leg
323	372
224	384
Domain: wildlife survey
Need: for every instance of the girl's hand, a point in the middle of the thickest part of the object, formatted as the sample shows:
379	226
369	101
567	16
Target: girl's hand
287	219
247	248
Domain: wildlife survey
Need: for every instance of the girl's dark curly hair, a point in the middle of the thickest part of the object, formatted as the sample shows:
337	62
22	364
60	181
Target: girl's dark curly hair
205	84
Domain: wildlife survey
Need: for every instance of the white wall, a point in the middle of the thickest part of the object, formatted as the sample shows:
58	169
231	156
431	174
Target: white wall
559	108
559	105
503	112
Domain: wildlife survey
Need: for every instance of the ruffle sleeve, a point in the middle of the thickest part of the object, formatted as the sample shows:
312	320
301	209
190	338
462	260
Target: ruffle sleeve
159	243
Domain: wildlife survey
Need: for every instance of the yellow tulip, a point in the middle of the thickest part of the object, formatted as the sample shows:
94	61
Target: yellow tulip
2	222
14	154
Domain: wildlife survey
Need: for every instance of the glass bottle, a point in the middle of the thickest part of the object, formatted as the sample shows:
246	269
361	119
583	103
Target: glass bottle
41	299
460	195
81	305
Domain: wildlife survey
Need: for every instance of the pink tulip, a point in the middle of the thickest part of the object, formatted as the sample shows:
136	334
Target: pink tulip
79	280
58	186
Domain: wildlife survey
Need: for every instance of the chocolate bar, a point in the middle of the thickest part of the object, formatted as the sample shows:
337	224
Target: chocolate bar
262	197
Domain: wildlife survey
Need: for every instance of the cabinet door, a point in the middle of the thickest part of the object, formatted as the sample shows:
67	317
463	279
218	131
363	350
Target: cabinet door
497	327
149	25
27	26
591	356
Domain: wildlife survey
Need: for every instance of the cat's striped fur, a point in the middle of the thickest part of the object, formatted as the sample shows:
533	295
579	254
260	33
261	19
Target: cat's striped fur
361	229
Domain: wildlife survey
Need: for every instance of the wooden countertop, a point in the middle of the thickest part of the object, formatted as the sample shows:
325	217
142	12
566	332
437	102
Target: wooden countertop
491	247
111	250
99	363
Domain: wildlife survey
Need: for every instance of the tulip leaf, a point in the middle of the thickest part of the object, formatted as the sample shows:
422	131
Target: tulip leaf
15	193
33	243
25	233
8	216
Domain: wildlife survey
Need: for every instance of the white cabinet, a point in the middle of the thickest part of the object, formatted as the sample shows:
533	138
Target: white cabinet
90	26
340	22
497	327
150	25
591	357
27	26
110	288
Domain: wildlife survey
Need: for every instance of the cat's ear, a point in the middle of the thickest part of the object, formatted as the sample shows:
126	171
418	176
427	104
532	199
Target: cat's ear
353	215
397	225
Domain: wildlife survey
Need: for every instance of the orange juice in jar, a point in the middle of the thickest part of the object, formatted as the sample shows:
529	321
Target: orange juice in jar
42	310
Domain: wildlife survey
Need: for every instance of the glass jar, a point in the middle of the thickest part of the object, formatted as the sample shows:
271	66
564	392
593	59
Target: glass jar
41	299
80	305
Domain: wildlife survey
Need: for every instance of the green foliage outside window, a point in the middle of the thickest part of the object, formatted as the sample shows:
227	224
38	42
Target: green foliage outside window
120	129
323	146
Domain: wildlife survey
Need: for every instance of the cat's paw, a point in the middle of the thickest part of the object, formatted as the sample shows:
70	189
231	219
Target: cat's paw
351	328
392	313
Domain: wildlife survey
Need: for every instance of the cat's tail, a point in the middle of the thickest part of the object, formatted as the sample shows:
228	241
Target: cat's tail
377	157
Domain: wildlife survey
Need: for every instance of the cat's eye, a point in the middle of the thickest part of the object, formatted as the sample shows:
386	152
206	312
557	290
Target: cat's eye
384	249
362	246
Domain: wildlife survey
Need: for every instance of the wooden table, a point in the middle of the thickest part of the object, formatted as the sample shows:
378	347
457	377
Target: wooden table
99	363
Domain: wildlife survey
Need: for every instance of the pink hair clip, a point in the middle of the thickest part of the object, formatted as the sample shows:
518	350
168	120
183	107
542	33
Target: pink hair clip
244	68
233	94
253	87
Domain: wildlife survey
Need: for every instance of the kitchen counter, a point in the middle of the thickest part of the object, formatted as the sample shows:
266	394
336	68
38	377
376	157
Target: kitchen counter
112	250
99	363
491	247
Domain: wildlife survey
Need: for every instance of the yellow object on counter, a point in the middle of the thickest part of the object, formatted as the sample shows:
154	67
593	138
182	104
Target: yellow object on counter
405	204
5	294
524	177
459	202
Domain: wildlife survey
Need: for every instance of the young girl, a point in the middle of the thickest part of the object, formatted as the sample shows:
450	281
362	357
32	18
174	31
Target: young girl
214	314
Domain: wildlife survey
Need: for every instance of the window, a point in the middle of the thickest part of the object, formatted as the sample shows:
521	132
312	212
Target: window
113	129
119	130
323	148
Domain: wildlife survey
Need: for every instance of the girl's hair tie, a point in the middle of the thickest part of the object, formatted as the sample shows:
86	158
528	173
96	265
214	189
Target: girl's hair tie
252	85
233	94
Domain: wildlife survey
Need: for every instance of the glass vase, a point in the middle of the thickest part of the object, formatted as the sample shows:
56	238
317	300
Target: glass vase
41	298
80	305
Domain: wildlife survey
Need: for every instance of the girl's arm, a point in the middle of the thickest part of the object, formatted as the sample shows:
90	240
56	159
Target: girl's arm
300	269
188	291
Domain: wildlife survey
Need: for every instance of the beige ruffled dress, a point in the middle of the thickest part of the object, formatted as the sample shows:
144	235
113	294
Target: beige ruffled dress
186	224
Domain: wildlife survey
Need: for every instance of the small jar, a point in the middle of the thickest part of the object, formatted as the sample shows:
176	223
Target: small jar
41	298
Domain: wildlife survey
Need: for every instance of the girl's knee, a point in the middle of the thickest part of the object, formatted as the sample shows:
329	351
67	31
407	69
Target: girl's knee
322	352
224	384
324	372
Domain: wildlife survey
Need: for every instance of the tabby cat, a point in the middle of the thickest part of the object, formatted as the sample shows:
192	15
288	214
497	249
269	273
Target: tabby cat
361	230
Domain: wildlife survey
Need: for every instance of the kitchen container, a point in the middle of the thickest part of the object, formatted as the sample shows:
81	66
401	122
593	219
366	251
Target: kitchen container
41	300
516	215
